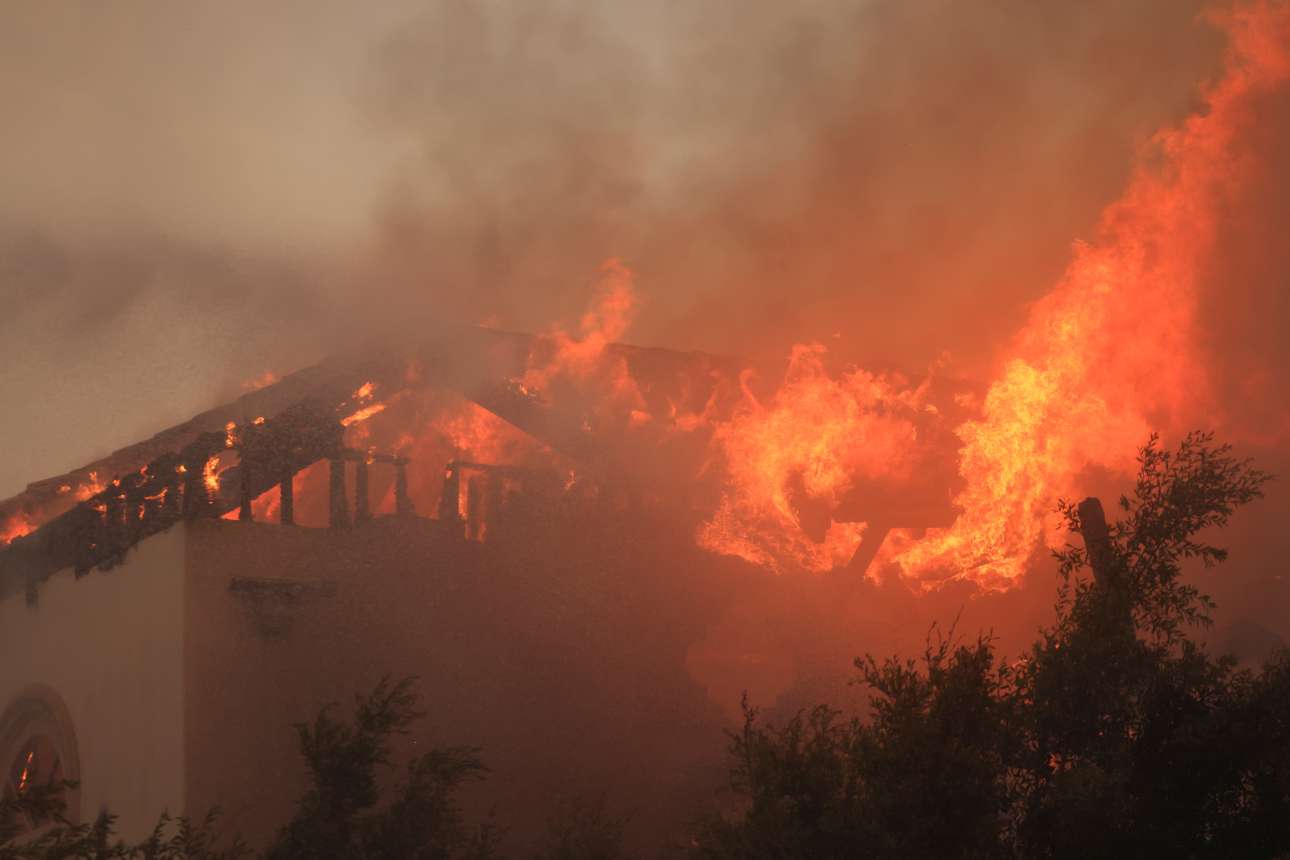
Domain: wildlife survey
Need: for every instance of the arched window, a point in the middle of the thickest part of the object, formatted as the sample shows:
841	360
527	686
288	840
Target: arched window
38	745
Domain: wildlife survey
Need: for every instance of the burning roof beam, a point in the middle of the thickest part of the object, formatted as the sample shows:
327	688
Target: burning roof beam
478	363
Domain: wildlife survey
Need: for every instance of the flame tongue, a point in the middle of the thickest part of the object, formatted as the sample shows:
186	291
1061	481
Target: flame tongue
23	523
581	370
210	474
1108	354
364	396
791	461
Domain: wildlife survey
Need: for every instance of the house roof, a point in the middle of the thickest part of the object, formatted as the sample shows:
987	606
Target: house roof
480	364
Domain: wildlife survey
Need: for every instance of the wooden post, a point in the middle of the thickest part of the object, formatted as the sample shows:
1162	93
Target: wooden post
875	534
244	511
362	505
493	513
194	492
89	537
475	526
339	511
115	520
402	501
450	499
174	489
287	502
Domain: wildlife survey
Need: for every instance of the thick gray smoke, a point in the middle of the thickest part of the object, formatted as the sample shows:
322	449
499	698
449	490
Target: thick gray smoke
190	195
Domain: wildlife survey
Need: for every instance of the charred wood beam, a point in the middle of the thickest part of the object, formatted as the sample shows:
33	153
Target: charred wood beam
287	499
875	535
473	361
450	498
338	508
402	501
100	530
245	486
362	502
330	382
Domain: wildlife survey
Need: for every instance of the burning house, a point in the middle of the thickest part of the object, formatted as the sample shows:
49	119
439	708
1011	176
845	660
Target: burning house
472	516
586	550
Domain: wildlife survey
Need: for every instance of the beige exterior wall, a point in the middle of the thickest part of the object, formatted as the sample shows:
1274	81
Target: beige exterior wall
183	684
111	646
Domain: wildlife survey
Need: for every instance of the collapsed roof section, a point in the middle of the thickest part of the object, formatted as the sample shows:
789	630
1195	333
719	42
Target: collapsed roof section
286	426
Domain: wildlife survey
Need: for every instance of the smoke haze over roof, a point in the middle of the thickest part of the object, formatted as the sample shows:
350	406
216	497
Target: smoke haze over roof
190	195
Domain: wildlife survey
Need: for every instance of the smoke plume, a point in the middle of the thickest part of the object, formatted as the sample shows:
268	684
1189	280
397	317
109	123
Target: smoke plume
193	196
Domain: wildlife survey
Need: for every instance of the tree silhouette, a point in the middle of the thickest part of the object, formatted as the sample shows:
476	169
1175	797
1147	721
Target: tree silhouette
338	816
1115	735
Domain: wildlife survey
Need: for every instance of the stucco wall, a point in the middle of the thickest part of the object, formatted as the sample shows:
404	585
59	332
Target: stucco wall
111	646
568	672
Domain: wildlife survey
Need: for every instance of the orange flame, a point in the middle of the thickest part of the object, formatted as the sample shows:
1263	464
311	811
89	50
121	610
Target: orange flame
266	506
210	474
362	415
92	487
583	363
24	523
475	433
18	525
363	394
1107	354
807	447
264	380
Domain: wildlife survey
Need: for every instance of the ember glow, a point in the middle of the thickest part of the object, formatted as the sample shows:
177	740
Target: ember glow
364	394
476	434
23	523
25	777
362	414
264	380
91	487
17	526
210	474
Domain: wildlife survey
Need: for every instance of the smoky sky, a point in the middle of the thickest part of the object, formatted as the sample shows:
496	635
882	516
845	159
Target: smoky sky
193	193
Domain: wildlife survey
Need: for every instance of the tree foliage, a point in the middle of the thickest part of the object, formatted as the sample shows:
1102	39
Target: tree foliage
1115	735
34	824
584	830
339	816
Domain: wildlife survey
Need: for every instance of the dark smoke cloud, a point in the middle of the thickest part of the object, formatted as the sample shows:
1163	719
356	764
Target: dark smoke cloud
206	191
776	172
